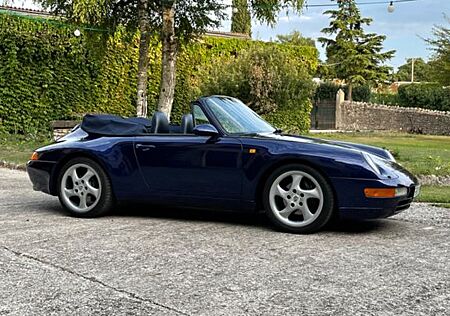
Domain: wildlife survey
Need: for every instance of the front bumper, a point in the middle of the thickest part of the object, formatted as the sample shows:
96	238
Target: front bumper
353	204
40	173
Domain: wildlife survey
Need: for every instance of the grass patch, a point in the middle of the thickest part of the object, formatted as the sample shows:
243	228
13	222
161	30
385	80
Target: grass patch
420	154
434	194
17	148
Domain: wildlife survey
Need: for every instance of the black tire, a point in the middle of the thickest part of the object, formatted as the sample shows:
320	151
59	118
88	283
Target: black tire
328	200
106	199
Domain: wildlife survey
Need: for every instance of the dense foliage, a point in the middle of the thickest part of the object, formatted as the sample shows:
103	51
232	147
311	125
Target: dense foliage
425	95
271	81
422	71
295	38
46	73
328	90
241	20
440	61
385	98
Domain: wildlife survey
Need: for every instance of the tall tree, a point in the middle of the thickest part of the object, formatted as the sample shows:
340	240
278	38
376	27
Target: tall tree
144	41
241	21
356	56
440	45
176	21
296	38
421	70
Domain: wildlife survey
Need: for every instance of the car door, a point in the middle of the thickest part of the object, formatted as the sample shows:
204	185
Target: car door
191	165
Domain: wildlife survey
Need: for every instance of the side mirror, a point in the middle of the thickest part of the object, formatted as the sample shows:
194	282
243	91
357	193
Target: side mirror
205	130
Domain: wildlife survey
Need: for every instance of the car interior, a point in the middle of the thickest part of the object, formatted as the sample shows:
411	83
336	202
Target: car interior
160	124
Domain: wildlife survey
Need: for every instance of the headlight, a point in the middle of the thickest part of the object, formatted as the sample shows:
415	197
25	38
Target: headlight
370	161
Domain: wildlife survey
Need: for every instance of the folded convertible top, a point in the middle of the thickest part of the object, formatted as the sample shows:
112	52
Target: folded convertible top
112	125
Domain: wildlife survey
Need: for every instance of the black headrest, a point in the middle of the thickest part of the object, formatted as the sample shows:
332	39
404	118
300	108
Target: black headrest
160	124
187	124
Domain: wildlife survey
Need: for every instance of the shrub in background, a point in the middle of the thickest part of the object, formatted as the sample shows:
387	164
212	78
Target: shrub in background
271	81
328	90
385	98
425	95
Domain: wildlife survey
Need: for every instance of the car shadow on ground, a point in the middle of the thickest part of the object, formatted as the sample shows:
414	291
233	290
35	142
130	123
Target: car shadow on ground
238	218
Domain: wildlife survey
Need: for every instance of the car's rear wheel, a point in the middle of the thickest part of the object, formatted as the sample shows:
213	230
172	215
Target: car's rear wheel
298	199
84	189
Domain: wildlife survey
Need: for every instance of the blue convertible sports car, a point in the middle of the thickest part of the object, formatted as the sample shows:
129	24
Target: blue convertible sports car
222	156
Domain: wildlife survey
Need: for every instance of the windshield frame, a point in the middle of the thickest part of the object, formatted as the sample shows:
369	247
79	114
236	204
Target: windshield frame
216	122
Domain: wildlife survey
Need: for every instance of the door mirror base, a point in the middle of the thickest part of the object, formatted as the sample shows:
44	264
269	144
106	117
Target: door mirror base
205	130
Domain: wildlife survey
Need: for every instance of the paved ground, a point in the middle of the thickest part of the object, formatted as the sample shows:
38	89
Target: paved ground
174	262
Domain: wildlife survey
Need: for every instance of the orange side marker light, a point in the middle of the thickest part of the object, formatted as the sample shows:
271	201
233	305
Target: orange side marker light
34	156
379	192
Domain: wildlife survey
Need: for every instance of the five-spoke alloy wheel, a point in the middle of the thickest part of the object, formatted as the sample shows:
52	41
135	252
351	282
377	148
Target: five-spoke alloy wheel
298	199
84	189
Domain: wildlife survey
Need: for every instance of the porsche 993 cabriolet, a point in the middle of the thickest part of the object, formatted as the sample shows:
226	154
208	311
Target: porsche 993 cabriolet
222	156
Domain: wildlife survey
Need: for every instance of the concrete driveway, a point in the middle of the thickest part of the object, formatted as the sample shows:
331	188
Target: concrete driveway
146	260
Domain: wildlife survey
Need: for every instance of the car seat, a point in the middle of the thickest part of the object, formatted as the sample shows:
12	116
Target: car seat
160	124
187	124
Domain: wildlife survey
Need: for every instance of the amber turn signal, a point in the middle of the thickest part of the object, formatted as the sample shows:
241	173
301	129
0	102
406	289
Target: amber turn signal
34	156
379	192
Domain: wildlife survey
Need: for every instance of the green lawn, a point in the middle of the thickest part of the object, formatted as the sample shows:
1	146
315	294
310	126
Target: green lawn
421	154
435	194
18	149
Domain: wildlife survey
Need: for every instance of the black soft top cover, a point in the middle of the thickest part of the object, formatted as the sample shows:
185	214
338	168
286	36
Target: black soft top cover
112	125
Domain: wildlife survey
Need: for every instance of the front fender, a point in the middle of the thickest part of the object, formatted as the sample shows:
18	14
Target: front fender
331	161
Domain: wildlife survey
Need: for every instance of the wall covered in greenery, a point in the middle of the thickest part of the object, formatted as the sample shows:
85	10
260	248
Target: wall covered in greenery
47	73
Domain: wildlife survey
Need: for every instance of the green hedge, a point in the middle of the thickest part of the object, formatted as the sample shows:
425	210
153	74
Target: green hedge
328	90
424	95
46	73
385	98
271	81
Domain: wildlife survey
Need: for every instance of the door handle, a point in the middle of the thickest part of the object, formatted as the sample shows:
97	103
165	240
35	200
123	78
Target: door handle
144	147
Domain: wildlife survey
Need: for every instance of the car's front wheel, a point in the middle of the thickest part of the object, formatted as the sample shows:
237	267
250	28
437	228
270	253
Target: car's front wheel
298	199
84	189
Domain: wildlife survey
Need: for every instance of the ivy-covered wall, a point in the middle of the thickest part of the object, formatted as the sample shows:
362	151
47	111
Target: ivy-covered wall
47	73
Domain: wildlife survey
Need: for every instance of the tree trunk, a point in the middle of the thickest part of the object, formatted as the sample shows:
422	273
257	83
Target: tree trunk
349	92
144	42
169	59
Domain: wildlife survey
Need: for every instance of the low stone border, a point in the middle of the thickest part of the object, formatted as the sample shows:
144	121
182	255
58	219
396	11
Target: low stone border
434	180
14	166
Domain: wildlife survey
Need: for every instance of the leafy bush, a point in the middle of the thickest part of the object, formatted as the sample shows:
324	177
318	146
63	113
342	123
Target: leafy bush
385	98
425	95
328	90
271	81
46	73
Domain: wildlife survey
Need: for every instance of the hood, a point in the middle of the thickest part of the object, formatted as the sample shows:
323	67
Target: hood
380	152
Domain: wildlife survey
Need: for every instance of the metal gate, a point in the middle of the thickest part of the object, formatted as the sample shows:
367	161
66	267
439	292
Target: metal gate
323	114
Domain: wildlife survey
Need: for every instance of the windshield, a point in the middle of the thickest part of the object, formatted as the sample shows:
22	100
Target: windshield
236	118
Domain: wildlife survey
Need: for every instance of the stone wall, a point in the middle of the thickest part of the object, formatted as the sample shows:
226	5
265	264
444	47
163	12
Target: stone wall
367	116
61	128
